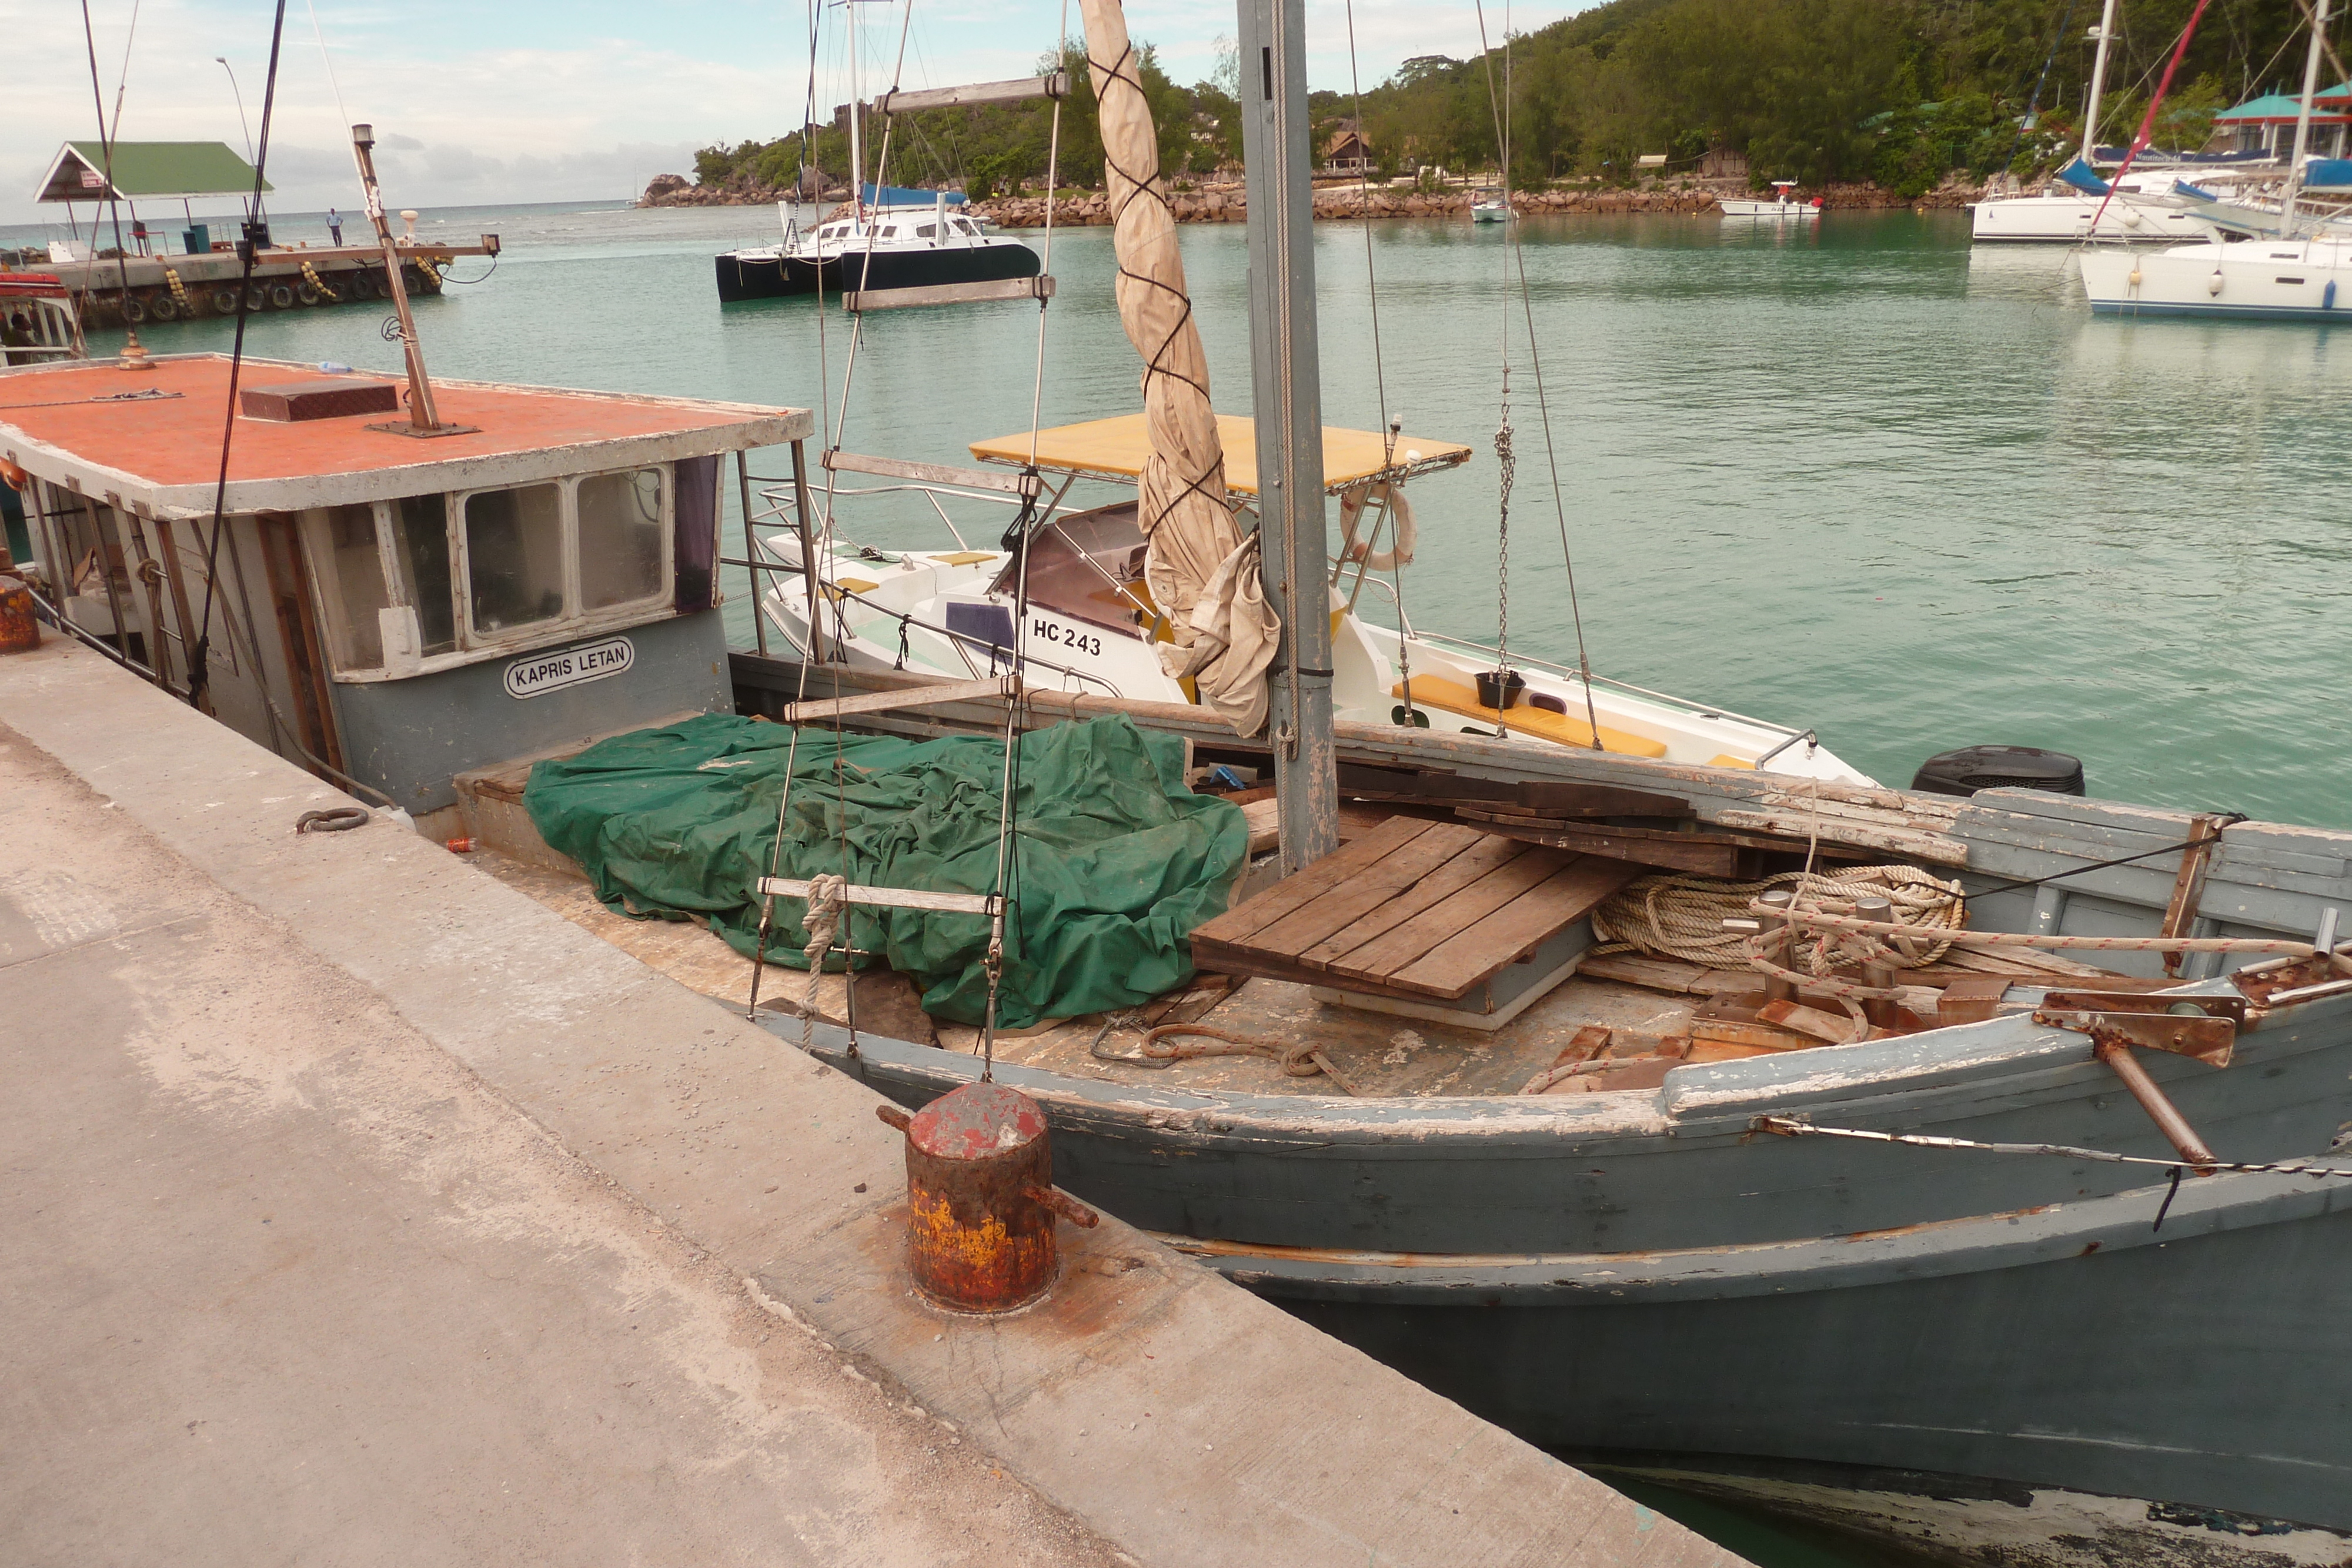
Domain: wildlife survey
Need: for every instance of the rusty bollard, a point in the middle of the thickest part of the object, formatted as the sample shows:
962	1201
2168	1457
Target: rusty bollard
980	1189
19	632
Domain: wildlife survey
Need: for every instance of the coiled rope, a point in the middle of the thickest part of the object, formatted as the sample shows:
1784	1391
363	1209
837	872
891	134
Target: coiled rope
1681	917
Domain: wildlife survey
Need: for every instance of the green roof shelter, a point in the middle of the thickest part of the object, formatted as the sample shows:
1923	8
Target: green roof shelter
173	171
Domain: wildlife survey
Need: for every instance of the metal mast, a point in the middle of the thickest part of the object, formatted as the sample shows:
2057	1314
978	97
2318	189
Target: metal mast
1286	385
2302	119
2107	35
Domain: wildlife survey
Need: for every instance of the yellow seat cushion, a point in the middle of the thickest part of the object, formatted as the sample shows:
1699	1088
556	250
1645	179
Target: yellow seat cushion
1433	692
1728	760
840	587
963	558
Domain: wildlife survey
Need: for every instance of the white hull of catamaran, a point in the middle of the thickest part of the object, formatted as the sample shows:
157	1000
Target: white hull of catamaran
932	614
2262	279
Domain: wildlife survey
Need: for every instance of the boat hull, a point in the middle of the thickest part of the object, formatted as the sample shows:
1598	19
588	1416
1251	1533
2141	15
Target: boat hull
765	275
2185	1368
2258	280
1643	1275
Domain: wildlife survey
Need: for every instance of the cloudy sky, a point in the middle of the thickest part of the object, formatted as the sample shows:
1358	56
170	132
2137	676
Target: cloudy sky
535	100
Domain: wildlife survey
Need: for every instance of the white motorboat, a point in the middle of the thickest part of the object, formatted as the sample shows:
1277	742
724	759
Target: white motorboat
1093	627
1489	206
1782	205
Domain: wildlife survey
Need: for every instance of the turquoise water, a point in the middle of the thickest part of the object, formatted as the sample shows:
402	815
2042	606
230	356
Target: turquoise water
1849	476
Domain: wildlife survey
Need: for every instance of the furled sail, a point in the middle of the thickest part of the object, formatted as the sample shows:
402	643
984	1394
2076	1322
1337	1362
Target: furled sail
1203	572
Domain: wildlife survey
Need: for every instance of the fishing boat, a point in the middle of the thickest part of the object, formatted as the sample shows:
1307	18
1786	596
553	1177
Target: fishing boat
1782	205
1493	1079
386	580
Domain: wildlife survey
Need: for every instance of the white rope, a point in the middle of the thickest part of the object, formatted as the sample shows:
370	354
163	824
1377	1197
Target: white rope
1681	917
827	896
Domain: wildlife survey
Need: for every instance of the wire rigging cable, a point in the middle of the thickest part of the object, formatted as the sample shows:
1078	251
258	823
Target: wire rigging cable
1518	259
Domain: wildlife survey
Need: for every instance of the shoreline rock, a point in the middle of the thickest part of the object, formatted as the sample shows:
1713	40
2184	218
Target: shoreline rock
1226	202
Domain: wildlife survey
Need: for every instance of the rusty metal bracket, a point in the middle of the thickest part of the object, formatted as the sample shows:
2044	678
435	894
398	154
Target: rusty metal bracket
2185	1028
2204	833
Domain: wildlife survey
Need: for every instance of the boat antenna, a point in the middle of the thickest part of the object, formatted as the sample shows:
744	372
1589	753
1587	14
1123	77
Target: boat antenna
257	234
1517	256
135	354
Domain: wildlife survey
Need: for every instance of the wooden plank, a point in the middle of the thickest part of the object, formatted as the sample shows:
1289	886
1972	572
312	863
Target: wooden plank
1220	958
1706	854
911	697
1381	958
1487	856
1426	857
1600	800
1264	819
1038	287
930	473
1291	893
889	898
1511	931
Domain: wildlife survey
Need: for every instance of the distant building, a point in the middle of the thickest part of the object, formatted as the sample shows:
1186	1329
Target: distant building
1346	152
2266	124
1723	163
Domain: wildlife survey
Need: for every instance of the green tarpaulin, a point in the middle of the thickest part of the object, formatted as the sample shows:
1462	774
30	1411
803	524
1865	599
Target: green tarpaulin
1117	859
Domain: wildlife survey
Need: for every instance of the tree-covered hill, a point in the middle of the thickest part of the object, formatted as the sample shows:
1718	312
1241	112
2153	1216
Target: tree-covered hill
1901	92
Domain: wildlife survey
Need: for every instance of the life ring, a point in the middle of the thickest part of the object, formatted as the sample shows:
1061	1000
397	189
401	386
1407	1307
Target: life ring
281	298
1352	508
163	308
224	301
134	311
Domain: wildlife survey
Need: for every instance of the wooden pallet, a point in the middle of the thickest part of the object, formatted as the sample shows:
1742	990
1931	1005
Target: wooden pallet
1414	909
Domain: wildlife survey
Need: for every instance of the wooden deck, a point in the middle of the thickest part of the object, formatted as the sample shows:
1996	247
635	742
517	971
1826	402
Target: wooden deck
1411	909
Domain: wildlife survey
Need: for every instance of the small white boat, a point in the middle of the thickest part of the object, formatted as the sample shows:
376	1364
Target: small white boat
1487	206
1092	626
1782	205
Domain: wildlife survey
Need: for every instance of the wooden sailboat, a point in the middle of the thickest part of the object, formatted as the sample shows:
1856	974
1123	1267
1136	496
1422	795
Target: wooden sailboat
1905	1272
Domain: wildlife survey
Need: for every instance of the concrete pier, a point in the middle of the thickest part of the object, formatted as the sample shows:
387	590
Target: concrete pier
363	1210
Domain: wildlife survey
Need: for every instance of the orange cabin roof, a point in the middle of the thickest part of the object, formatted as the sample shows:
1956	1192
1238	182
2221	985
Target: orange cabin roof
161	451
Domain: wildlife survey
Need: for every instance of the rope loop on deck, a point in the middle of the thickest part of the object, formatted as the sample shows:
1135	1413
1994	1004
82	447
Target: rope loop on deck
1681	917
1297	1060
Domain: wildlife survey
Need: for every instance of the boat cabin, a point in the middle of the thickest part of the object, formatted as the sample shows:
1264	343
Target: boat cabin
379	605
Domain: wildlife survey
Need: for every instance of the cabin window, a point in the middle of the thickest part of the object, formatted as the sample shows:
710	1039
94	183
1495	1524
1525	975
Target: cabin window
344	538
420	550
928	231
514	556
620	539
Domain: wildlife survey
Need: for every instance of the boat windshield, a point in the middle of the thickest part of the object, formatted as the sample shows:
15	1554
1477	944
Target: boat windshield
1089	567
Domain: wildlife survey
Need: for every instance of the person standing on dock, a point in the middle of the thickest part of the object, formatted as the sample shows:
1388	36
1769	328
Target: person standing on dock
334	226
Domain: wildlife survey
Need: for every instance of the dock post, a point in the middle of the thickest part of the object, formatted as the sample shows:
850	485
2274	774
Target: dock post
979	1187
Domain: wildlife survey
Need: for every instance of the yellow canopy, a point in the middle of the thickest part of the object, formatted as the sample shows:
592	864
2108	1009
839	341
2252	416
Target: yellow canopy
1115	448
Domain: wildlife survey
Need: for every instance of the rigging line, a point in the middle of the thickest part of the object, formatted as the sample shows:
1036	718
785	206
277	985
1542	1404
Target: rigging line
1791	1127
2147	124
1046	261
198	672
328	60
2033	103
1364	211
105	152
1516	252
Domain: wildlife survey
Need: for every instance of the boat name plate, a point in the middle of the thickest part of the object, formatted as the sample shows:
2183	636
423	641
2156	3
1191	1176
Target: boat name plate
543	673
